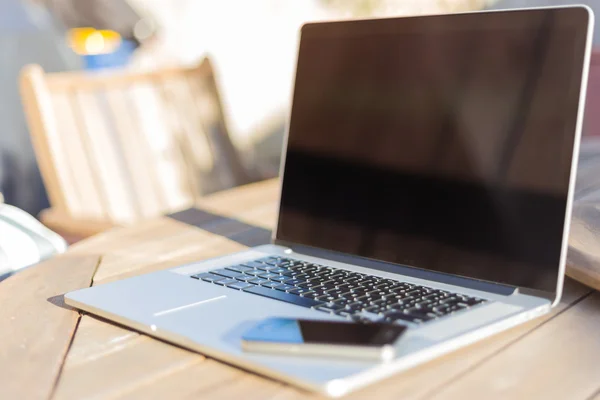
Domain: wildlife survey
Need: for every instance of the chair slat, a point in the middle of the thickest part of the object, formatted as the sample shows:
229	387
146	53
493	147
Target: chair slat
37	104
86	199
173	108
151	116
147	193
190	133
107	158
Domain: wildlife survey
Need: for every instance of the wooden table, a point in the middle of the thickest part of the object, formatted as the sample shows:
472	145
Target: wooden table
49	351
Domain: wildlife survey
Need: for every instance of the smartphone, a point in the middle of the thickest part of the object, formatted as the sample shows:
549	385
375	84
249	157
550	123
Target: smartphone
323	338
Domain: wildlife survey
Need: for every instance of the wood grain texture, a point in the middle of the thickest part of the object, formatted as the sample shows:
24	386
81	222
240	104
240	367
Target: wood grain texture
431	378
36	327
114	371
549	357
559	361
65	224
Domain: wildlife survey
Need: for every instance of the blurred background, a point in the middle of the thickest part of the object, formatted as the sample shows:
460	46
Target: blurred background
252	45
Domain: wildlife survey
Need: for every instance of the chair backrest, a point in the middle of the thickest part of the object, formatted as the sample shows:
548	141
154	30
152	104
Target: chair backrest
126	146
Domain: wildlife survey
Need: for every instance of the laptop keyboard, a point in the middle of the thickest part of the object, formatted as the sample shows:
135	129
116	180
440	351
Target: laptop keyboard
357	296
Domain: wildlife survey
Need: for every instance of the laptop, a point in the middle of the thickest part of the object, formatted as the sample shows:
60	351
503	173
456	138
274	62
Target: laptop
427	180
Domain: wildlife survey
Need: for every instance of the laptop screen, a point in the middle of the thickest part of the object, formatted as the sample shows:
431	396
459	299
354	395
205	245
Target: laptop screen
443	143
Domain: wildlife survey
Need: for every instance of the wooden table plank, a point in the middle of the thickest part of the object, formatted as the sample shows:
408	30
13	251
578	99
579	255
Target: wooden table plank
36	327
565	351
155	245
429	378
96	338
157	251
211	379
141	360
108	361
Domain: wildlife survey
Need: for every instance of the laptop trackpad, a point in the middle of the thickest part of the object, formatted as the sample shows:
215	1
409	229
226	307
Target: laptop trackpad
467	321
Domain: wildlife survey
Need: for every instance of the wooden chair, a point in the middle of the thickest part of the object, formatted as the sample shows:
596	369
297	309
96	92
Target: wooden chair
116	148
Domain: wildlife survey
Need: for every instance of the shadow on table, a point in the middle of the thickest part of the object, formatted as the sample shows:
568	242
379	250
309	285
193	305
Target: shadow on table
232	229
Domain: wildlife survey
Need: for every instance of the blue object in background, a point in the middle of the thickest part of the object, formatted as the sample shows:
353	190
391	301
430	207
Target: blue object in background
118	58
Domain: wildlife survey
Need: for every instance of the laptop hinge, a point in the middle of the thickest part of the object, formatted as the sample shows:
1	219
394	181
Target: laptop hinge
490	287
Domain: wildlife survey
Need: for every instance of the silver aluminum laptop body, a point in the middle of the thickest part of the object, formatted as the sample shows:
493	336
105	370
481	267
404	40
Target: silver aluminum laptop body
210	319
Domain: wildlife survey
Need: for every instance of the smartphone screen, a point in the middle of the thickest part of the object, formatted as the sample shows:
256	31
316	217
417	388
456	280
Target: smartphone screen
295	331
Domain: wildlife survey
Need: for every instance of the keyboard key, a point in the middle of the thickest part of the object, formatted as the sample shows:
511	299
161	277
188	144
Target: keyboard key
283	287
311	294
378	302
363	299
301	276
377	294
309	284
239	268
360	291
294	281
227	273
239	285
268	275
280	278
408	299
300	291
342	301
344	287
278	270
324	272
335	292
282	296
284	263
351	279
257	281
424	304
226	282
327	298
417	292
208	277
270	284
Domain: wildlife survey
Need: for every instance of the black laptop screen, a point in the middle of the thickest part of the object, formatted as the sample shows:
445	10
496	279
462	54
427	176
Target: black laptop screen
444	143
